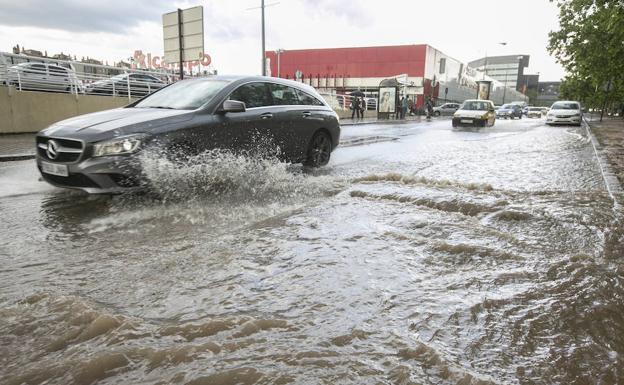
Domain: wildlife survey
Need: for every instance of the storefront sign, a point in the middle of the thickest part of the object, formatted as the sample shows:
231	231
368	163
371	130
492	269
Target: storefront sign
147	61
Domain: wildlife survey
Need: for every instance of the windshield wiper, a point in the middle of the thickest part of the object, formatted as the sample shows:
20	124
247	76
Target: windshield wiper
161	107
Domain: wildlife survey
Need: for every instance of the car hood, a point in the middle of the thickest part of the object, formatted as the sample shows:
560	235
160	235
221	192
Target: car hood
564	112
469	114
119	121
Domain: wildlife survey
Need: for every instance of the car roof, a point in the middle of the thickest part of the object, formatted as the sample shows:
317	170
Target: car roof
244	79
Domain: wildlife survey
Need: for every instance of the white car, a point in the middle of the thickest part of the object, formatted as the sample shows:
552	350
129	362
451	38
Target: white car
44	77
445	109
565	112
534	112
475	113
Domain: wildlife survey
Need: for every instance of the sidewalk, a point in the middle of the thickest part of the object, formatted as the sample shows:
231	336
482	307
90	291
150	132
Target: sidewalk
374	120
610	135
17	147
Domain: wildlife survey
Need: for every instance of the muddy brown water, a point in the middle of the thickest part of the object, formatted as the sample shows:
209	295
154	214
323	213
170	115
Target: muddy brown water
440	257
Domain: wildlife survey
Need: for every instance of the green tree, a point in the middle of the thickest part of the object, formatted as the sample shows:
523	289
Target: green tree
590	46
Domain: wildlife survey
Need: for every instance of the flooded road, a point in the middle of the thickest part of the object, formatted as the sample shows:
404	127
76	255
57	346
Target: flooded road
419	255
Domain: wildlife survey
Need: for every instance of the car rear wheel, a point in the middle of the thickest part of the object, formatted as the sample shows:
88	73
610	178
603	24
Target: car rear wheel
436	113
319	150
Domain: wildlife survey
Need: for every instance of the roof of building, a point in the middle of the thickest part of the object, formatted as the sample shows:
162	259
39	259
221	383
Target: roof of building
507	59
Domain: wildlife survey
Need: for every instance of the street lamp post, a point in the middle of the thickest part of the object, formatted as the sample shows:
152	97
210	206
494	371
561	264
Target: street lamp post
278	52
486	60
505	87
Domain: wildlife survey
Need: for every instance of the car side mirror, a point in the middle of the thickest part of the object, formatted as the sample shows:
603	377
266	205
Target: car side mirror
233	106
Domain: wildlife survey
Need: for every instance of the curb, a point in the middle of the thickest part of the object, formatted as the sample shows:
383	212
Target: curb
393	121
14	157
610	179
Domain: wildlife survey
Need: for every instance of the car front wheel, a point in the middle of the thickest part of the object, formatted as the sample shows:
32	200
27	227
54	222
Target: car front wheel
319	150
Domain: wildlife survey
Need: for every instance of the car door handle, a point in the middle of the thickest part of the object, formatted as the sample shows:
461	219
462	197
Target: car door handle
266	115
306	114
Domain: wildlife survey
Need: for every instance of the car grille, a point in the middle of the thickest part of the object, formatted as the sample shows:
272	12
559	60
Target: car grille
563	116
74	149
73	180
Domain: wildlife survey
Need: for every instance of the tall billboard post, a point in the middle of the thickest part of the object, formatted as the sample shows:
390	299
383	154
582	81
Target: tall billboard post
183	36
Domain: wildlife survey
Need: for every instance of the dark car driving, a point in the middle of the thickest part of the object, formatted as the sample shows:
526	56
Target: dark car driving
98	152
509	111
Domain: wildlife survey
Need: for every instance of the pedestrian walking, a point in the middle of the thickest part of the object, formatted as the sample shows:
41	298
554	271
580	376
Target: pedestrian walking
410	106
429	107
404	104
363	107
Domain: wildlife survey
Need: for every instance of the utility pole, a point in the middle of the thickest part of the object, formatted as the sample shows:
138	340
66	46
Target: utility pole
263	53
262	6
180	41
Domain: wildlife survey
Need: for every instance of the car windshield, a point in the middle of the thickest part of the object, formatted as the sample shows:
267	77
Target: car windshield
535	109
565	106
507	106
183	95
475	106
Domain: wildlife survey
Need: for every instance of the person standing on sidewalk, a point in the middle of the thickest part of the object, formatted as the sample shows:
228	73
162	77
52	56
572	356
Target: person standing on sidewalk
355	107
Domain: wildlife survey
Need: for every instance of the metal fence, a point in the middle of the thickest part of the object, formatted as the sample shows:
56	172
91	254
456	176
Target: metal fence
343	101
31	73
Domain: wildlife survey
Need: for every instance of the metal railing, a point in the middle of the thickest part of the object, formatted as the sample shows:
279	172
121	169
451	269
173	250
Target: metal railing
30	73
343	101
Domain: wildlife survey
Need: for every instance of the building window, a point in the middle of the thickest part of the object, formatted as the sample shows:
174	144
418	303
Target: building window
442	65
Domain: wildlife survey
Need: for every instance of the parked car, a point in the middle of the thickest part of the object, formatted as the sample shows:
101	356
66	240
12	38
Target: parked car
476	113
98	152
44	77
446	109
534	112
137	84
565	112
509	111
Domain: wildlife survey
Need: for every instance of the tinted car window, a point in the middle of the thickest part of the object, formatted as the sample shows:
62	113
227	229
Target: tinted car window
252	94
307	99
284	95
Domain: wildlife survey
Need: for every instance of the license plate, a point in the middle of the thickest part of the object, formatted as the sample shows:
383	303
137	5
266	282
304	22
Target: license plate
466	121
54	169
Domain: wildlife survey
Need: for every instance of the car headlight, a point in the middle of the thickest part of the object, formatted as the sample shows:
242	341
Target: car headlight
576	115
118	146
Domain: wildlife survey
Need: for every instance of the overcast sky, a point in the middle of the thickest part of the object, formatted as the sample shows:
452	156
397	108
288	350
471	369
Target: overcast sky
111	30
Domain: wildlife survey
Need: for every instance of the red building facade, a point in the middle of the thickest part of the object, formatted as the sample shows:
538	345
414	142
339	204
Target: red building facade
364	62
420	69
